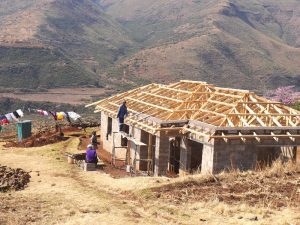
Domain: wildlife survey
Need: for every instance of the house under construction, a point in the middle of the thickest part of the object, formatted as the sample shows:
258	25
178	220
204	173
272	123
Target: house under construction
190	125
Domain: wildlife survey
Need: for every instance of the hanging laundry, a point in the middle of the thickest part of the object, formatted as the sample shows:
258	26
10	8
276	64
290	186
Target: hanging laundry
42	112
9	117
3	120
15	119
74	115
53	114
60	116
19	111
67	117
16	114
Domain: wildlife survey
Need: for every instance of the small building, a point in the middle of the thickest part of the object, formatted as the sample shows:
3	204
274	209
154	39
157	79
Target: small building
194	126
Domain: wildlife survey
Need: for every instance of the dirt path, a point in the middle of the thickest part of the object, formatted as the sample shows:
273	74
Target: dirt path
60	193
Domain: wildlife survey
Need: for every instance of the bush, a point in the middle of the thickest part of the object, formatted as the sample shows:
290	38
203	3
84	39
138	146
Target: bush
286	95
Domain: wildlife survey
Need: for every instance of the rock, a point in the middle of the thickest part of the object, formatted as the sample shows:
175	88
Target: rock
254	218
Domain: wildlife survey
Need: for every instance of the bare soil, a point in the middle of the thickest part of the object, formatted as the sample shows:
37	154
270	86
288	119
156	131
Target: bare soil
117	171
75	96
46	137
252	189
13	179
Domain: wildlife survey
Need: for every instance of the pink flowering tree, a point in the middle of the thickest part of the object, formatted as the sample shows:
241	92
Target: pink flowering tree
286	95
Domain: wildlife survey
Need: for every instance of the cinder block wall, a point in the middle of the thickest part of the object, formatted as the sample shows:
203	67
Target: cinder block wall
234	156
207	165
136	133
108	142
162	153
185	157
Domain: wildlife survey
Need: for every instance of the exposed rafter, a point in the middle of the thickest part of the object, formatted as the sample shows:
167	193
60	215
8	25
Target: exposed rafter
199	101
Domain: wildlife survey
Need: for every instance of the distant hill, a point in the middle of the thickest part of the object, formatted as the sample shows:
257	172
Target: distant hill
236	43
57	42
248	44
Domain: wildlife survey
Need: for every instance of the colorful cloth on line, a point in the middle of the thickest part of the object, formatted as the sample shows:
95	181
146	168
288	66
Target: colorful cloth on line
3	120
11	117
42	112
74	115
57	115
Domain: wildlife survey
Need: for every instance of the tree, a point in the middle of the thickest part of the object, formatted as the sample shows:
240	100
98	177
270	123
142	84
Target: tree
286	95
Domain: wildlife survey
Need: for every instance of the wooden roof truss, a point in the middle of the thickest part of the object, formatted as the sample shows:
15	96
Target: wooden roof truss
199	101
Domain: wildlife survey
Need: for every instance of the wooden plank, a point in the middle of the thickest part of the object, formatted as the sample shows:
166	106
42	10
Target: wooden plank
257	136
163	97
149	104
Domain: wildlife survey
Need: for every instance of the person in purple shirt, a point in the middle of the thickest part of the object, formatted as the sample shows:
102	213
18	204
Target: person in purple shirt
91	154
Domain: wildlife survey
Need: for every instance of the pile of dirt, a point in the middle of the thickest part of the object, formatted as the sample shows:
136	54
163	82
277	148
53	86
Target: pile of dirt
37	140
86	122
253	189
13	179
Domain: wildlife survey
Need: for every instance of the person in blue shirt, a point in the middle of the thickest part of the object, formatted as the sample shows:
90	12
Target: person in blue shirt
122	113
91	155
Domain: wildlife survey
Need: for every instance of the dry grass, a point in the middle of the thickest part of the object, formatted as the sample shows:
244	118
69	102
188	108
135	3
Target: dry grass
60	193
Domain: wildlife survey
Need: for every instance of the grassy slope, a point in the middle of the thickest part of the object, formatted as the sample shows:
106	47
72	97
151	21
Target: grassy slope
39	67
232	44
82	39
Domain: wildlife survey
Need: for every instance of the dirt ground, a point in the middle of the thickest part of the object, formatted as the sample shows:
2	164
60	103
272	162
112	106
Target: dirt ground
61	193
73	96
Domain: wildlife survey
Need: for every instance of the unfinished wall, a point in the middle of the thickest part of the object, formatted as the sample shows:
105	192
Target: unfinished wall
245	156
107	139
162	152
207	164
144	150
234	156
135	150
185	156
196	156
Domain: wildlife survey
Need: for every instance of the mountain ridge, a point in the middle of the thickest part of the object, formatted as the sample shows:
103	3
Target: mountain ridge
230	43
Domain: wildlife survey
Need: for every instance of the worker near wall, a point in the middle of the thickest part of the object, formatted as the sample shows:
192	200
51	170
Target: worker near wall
122	113
94	140
91	155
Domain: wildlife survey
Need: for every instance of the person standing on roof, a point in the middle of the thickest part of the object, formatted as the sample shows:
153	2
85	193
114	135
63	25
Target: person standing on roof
122	113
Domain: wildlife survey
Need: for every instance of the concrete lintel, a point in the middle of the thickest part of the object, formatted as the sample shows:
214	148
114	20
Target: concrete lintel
211	143
176	123
201	124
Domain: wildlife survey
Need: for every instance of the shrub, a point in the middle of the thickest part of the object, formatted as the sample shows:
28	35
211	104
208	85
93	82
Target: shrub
286	95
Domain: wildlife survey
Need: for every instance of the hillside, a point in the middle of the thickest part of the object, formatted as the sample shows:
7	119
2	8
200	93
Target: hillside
234	43
100	42
56	43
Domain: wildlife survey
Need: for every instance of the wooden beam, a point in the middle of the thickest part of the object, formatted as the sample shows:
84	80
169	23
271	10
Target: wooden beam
149	104
162	97
256	136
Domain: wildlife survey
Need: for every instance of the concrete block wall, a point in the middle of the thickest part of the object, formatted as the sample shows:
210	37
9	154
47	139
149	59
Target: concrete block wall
108	142
207	165
185	156
227	157
162	153
136	133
